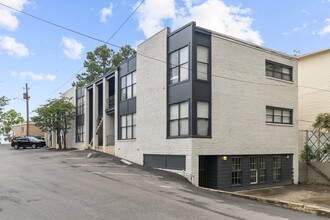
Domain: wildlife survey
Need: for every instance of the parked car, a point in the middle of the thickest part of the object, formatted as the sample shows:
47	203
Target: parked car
27	141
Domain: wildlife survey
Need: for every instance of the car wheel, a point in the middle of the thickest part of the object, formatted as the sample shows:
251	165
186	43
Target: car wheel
16	147
34	146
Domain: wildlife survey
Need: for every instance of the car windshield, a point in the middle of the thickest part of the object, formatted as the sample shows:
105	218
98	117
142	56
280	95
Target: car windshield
33	139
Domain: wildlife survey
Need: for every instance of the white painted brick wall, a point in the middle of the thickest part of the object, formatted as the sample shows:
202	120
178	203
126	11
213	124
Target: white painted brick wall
238	108
151	106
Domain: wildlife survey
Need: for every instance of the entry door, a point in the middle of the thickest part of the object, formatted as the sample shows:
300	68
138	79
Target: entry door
208	171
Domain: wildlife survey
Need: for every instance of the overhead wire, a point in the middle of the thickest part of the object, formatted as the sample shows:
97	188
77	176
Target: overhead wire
144	55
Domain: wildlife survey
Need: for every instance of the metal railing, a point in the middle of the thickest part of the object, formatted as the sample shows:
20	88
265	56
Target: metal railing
111	102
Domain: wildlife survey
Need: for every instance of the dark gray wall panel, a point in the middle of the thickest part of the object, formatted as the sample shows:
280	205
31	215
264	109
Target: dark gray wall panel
174	162
225	169
179	93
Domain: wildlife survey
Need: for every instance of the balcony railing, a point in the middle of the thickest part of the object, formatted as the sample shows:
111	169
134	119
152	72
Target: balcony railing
110	102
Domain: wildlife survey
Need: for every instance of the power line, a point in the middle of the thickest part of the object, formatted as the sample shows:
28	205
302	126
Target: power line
135	10
118	29
60	26
146	56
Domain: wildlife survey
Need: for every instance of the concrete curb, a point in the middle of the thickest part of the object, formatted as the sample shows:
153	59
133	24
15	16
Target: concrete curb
311	209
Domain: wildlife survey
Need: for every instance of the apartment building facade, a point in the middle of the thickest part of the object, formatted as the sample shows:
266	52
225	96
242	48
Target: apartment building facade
221	111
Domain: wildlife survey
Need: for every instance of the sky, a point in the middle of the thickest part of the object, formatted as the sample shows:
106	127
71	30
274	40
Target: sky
48	57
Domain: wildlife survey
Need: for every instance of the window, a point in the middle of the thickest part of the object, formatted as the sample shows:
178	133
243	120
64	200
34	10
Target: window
277	168
262	169
278	115
128	86
179	119
80	106
278	71
80	133
236	171
202	62
253	170
202	118
179	65
128	126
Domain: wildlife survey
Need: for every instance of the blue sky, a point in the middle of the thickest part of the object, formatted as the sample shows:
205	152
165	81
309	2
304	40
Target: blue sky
47	57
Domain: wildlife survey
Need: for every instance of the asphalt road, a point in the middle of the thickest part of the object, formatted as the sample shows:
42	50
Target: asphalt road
44	184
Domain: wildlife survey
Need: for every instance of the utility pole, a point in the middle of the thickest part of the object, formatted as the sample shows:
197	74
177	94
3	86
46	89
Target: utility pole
27	97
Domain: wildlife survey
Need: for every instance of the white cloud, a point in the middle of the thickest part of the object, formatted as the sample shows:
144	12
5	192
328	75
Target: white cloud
8	20
12	47
105	13
297	29
152	14
73	49
326	29
211	14
34	76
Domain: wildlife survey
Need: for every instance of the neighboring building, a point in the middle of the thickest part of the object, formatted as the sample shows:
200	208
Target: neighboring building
313	82
220	110
314	96
21	129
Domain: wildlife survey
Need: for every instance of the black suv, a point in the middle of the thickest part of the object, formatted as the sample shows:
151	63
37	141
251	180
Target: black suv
27	141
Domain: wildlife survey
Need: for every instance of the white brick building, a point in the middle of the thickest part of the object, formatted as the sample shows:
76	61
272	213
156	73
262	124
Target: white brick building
221	110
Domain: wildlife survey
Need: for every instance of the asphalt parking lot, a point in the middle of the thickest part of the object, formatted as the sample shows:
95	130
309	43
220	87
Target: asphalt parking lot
46	184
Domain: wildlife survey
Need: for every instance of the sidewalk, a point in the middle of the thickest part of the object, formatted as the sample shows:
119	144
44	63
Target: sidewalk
310	198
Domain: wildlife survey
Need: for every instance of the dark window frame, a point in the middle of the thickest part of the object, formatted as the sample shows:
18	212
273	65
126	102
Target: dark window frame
262	169
277	169
290	117
204	119
127	127
178	66
278	74
126	88
80	135
207	64
236	174
179	119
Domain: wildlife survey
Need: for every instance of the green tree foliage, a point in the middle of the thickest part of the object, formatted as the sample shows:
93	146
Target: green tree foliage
8	119
56	116
3	102
101	61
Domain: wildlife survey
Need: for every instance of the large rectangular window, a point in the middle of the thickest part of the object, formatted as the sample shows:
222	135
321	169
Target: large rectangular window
278	115
128	86
278	71
80	105
179	119
203	118
276	168
253	170
80	133
202	62
128	126
262	169
179	65
236	171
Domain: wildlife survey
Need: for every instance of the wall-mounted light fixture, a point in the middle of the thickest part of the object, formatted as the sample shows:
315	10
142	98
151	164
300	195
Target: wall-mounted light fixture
288	156
224	158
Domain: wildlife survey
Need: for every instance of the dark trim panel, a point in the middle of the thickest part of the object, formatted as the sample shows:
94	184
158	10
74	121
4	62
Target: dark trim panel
172	162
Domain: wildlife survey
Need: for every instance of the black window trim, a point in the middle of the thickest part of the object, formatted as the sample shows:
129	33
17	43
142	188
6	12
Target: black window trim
279	108
179	119
208	62
281	65
170	67
125	88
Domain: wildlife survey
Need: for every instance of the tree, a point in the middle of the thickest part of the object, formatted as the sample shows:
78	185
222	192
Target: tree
3	102
56	116
100	62
8	119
